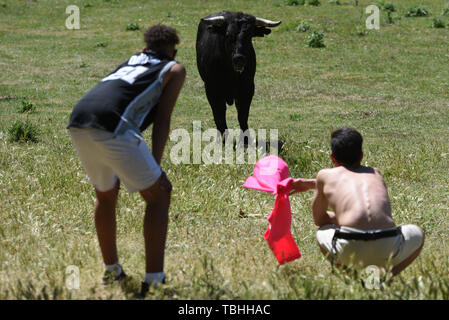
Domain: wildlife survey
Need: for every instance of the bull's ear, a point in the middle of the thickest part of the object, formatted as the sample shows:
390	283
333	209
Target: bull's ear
261	31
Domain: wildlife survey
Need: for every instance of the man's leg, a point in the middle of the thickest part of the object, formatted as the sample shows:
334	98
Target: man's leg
105	223
155	225
401	266
324	237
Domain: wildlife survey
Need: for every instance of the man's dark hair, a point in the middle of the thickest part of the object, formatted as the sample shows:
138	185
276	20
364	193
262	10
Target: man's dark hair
159	37
346	145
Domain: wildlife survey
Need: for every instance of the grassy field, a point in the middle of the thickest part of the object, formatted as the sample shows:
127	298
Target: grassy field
391	84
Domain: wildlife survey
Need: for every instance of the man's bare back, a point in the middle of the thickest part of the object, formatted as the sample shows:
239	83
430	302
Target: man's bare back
359	200
358	197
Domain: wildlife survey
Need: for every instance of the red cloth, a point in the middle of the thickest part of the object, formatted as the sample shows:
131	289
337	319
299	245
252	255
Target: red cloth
271	175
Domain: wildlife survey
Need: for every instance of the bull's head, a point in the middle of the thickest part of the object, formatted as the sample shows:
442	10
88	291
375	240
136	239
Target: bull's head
238	30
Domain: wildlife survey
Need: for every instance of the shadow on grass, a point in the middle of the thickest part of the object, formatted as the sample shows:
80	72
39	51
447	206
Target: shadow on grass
26	290
131	288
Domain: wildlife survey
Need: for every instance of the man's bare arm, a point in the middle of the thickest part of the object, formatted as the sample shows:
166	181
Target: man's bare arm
173	81
302	185
320	204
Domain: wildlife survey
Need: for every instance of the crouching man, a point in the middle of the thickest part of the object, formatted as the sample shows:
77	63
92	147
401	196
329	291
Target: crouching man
360	230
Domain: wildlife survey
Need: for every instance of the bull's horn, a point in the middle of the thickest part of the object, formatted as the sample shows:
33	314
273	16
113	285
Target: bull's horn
267	23
218	20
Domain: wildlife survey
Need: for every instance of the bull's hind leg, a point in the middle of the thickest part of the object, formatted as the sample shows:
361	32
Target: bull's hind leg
243	103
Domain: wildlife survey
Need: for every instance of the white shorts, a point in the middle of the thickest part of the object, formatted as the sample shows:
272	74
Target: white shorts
107	156
380	252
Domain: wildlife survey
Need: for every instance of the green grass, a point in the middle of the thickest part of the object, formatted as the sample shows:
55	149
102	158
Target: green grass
390	84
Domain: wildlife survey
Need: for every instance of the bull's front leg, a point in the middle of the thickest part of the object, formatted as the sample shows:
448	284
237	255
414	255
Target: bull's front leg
218	105
243	102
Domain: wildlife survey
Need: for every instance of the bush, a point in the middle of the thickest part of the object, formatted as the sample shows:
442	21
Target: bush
336	2
313	2
438	23
445	12
388	6
303	27
132	26
385	6
418	11
22	131
361	31
26	107
295	2
315	40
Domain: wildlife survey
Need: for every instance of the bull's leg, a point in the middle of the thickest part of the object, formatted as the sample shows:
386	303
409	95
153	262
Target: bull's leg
218	105
243	103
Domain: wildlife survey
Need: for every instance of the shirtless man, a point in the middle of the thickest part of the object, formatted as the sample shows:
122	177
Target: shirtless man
360	229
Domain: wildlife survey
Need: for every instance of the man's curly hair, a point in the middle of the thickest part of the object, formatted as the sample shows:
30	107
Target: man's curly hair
159	37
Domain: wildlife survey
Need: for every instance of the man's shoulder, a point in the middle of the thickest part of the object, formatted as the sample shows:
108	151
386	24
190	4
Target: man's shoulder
324	174
178	69
328	171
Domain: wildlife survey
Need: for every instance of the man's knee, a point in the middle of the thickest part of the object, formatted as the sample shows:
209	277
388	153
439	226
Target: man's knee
415	235
423	235
108	197
159	192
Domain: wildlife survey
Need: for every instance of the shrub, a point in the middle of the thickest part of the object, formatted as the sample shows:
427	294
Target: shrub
303	27
26	107
445	12
313	2
336	2
361	31
385	6
388	6
438	23
418	11
2	4
315	40
295	2
132	26
22	131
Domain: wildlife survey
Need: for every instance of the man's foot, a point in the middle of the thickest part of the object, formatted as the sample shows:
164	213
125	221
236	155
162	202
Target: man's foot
110	276
146	287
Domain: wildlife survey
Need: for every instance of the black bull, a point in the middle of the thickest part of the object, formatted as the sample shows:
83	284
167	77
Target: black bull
227	62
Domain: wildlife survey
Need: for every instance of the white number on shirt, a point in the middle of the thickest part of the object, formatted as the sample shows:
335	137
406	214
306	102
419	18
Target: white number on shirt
128	74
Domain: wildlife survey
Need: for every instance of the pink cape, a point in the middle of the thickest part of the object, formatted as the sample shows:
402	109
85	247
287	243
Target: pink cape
271	175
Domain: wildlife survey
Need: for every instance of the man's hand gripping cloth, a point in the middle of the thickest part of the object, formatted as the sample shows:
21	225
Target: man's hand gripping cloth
271	175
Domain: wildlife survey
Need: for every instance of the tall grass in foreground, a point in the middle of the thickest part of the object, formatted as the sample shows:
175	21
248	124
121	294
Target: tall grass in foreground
390	84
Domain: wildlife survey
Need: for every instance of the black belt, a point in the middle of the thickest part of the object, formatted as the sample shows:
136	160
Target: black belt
366	236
